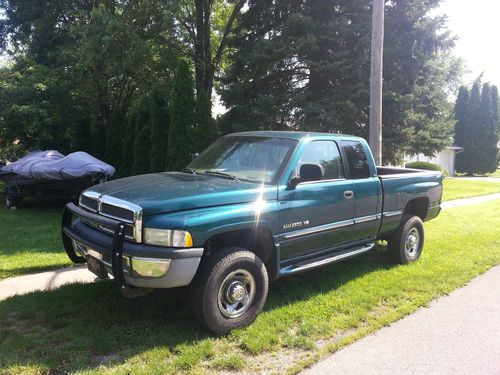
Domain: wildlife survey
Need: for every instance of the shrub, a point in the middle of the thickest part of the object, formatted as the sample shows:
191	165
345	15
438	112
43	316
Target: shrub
426	166
423	165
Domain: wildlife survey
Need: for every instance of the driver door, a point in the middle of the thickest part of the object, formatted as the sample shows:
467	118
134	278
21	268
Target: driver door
317	215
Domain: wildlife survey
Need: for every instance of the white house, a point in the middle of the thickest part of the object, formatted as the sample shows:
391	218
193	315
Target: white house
445	158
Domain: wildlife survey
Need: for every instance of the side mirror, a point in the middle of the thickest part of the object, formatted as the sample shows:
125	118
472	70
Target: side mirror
308	172
311	172
294	182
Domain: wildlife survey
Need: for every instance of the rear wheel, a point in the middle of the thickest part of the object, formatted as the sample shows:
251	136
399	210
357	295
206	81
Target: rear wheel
230	290
406	244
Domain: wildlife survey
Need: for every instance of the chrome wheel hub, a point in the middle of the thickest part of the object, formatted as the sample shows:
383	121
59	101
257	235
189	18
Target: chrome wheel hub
236	293
412	242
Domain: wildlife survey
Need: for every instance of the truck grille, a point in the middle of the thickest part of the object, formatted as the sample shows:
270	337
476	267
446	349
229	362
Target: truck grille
114	208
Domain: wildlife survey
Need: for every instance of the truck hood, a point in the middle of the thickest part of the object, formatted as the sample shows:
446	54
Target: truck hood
174	191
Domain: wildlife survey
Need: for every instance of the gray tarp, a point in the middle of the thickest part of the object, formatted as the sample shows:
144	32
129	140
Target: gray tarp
52	165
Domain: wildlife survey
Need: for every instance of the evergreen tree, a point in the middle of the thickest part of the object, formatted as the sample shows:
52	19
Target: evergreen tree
464	160
495	108
114	138
461	106
181	134
304	65
485	155
142	140
479	131
127	158
206	126
160	122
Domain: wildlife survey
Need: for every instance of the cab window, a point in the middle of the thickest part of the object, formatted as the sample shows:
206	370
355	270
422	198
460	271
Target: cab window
356	158
325	154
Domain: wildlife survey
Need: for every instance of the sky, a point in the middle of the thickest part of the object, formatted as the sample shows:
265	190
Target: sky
477	26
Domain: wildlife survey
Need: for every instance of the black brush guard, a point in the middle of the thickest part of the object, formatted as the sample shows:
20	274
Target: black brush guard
71	210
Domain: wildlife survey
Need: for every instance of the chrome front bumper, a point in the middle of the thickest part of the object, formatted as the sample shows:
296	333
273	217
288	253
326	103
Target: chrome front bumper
129	263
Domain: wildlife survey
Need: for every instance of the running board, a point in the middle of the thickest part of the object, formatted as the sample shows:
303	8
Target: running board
325	260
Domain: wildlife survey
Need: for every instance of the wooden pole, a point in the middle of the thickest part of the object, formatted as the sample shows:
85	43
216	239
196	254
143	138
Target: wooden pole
377	54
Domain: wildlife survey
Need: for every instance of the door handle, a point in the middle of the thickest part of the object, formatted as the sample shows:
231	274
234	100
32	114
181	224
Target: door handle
348	194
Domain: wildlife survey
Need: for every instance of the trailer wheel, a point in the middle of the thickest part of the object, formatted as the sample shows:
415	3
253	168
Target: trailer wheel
230	290
10	198
406	244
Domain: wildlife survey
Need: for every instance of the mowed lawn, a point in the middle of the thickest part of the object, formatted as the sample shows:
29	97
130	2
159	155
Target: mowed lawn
92	329
456	188
31	239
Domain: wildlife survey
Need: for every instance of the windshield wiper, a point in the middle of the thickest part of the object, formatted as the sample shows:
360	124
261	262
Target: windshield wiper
222	174
190	170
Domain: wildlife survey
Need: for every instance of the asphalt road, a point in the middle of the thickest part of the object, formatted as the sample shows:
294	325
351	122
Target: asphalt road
456	334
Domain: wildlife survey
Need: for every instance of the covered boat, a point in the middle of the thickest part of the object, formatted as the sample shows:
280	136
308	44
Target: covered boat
52	174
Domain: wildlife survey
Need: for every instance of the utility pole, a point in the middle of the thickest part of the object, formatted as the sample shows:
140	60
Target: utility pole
377	54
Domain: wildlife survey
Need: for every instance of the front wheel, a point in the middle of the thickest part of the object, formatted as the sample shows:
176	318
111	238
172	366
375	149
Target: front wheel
406	244
230	290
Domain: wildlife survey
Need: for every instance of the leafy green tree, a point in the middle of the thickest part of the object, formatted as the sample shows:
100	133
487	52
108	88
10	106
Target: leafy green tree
160	122
206	126
181	135
206	27
88	62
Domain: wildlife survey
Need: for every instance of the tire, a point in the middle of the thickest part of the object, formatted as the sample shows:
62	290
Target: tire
230	290
10	200
406	244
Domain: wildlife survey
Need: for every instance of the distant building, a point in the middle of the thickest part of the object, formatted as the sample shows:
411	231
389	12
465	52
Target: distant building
445	158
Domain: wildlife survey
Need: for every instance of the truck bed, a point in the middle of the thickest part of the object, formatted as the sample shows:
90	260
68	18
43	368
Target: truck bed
404	186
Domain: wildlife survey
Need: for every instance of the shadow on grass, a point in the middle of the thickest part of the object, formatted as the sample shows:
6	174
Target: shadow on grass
75	327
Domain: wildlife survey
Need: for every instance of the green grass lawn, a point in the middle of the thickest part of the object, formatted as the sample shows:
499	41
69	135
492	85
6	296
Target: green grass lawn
31	239
456	188
92	329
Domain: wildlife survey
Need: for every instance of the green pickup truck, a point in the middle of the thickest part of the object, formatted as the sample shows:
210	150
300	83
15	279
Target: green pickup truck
253	207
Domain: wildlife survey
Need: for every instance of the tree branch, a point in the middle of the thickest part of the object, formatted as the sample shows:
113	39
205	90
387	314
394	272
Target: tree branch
227	30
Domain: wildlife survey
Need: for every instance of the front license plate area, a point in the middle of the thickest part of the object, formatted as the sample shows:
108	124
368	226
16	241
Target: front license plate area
96	267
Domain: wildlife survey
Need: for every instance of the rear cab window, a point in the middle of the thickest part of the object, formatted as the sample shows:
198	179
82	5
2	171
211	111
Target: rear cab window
356	159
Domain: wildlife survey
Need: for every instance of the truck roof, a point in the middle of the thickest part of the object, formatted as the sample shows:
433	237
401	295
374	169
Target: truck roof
292	134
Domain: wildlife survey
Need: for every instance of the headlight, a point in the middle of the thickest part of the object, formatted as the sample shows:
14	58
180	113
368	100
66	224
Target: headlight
167	237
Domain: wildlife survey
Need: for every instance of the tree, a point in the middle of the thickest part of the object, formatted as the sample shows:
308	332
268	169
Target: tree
206	127
181	133
88	62
461	107
207	26
142	139
160	122
479	131
127	157
305	66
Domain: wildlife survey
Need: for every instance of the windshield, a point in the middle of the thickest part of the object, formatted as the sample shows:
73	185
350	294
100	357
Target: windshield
256	159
